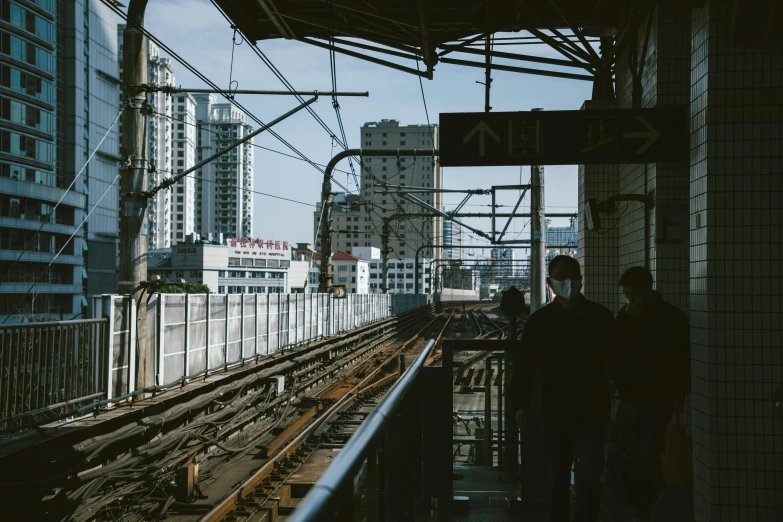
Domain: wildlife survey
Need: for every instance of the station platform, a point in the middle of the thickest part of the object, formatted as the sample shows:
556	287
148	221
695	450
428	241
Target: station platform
491	499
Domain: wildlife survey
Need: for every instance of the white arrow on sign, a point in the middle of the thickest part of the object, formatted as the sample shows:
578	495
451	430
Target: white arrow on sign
481	128
651	134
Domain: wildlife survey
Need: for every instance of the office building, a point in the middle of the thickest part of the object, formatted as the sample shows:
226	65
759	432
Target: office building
351	272
224	203
504	262
400	272
49	127
452	240
559	237
407	235
238	266
347	223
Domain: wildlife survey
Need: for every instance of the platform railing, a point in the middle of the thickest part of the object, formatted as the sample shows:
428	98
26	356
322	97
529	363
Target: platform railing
381	472
49	368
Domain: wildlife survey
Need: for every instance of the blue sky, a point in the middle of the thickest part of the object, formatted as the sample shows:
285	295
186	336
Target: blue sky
198	33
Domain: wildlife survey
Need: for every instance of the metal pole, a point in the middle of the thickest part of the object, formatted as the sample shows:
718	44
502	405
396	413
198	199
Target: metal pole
134	181
326	247
488	416
170	89
537	238
385	256
401	364
501	396
511	435
325	279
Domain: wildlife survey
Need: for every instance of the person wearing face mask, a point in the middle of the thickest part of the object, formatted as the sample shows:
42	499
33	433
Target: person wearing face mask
655	338
573	341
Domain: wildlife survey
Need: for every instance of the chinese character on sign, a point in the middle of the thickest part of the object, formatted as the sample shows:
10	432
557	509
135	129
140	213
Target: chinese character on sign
285	245
260	242
233	241
252	242
244	242
269	244
277	245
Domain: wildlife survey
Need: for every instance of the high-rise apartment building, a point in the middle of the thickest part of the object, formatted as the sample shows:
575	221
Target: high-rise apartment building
160	71
504	262
49	127
452	240
183	204
347	222
423	170
171	148
224	202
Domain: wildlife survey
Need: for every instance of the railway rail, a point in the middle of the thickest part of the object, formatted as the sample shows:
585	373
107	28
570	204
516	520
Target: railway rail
173	457
270	492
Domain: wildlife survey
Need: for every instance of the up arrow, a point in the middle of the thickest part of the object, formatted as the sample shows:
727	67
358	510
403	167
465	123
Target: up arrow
481	128
651	134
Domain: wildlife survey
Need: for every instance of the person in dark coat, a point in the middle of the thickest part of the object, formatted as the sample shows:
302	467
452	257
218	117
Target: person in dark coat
573	341
655	338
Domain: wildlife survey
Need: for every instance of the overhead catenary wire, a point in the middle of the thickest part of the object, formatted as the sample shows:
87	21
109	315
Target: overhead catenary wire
288	85
113	7
256	145
245	189
265	127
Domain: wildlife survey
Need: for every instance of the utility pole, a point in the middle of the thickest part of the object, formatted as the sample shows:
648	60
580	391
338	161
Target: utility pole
385	255
134	183
537	238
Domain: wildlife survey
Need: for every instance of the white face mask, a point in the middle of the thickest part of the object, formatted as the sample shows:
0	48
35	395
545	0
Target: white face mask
568	289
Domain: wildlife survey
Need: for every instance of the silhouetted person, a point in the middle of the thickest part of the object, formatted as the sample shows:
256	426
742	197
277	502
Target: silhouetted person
655	338
573	341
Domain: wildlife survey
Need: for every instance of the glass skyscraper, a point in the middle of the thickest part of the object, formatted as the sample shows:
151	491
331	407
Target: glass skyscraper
58	98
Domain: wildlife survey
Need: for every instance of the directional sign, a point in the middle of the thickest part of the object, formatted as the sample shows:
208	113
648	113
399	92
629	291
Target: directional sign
658	135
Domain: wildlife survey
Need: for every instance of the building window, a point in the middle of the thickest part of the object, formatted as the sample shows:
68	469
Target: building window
342	268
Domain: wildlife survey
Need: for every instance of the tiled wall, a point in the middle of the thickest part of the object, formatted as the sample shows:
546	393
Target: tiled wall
735	284
598	250
665	81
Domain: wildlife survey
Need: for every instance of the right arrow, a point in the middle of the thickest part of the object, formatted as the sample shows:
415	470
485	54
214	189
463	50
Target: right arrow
481	128
651	134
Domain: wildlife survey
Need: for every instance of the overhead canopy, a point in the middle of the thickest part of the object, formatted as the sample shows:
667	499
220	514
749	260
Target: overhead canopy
428	30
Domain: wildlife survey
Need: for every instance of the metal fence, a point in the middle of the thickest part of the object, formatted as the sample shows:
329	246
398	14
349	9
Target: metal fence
47	368
194	334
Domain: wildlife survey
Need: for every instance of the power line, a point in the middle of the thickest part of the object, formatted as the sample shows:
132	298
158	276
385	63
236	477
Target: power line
280	77
252	144
227	95
244	189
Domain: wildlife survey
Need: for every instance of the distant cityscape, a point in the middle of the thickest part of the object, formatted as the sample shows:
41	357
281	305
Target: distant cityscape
60	159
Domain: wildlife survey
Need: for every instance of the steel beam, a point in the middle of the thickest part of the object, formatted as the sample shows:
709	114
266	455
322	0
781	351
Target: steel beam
524	70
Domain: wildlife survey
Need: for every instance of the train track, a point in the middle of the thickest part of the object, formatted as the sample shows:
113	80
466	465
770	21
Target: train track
274	489
158	466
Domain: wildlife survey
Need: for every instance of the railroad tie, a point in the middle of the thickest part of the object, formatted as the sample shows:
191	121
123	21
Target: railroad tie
460	373
479	375
467	378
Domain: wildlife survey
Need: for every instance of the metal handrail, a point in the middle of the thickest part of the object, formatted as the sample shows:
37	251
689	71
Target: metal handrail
40	324
316	505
